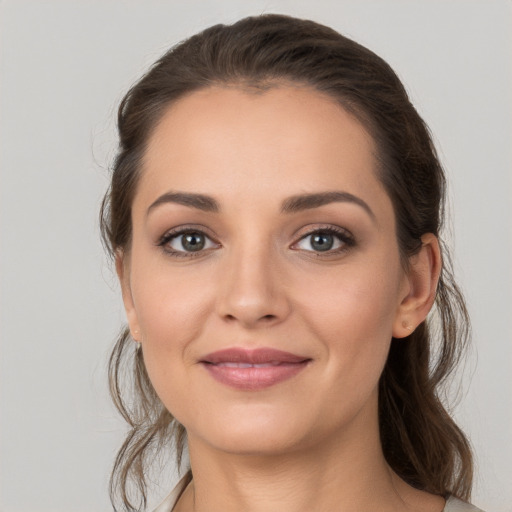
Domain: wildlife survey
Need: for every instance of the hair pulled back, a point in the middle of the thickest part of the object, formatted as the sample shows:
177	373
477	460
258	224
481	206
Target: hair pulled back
421	442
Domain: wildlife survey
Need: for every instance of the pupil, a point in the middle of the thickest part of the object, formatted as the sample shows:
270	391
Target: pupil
322	241
193	241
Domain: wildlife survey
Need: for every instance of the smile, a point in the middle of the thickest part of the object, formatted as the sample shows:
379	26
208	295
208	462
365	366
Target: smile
255	369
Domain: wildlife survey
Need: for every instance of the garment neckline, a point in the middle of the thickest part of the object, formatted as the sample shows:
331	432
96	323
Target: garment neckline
172	499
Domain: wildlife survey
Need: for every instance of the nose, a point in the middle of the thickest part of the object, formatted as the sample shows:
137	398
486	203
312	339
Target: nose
253	290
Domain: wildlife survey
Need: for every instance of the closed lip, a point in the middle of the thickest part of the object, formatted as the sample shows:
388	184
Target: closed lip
253	369
256	356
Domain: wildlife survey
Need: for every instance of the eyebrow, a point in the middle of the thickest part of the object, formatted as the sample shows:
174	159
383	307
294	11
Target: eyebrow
293	204
198	201
307	201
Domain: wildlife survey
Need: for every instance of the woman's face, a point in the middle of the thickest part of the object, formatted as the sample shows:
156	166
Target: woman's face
264	277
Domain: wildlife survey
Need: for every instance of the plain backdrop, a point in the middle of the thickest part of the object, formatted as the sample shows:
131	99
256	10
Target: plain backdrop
64	67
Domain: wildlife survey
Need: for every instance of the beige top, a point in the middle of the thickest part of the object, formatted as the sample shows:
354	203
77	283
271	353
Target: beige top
452	504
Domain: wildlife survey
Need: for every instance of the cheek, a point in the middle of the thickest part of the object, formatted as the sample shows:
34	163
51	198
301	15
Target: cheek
171	316
352	313
172	309
356	298
169	305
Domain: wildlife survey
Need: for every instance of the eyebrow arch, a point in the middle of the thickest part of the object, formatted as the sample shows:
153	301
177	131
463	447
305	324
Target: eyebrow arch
198	201
307	201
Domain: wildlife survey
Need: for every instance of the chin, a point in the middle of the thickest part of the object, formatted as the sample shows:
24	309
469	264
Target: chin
254	444
253	434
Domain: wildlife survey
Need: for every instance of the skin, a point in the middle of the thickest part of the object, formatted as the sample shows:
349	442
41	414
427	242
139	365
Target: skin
310	442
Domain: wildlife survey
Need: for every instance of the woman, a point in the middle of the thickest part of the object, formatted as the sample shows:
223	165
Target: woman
274	215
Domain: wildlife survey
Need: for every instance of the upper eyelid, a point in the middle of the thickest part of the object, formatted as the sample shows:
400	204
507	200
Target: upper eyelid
344	235
187	228
308	230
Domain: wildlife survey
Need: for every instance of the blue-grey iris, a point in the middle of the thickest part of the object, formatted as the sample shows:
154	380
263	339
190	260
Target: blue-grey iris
322	241
193	241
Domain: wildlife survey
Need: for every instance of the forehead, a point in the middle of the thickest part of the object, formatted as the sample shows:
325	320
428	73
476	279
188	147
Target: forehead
231	142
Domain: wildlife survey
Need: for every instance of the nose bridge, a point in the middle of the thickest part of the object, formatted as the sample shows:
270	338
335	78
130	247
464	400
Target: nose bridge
251	292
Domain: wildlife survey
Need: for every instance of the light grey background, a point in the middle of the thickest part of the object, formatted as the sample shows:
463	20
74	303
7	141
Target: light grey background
64	67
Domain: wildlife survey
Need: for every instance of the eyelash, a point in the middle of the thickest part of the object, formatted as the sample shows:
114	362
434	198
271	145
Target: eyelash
345	237
176	233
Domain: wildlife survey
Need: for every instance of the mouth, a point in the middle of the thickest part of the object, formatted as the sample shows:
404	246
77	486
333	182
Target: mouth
254	369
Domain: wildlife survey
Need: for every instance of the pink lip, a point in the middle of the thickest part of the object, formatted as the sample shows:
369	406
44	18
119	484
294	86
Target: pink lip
253	369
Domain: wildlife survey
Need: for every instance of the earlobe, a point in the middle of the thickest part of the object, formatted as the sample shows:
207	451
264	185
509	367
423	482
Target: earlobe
123	274
422	278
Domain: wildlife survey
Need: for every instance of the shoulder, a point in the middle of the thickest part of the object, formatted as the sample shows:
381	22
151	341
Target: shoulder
452	504
169	503
455	505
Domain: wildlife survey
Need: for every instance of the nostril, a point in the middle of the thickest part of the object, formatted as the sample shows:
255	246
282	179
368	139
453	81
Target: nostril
264	318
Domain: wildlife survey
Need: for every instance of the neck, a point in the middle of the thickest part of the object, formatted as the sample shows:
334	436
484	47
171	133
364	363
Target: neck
345	473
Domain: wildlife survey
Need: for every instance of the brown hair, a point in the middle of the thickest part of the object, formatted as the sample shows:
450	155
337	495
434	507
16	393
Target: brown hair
421	442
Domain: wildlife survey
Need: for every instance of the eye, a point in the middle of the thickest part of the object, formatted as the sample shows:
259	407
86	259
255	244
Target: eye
186	242
328	240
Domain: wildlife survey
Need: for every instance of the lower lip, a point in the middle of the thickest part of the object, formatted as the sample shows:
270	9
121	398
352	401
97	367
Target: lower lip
253	379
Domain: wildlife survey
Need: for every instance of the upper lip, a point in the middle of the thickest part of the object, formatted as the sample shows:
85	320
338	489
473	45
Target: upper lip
252	356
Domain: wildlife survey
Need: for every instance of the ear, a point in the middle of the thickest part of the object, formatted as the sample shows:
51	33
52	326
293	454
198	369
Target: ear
420	289
123	273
